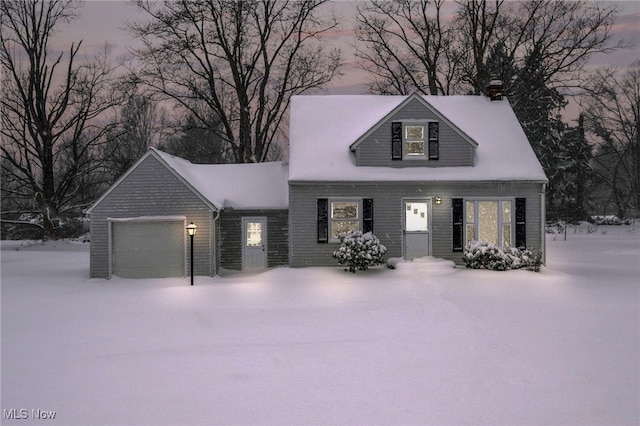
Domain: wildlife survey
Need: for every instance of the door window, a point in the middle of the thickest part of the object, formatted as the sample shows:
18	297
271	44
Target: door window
416	216
254	234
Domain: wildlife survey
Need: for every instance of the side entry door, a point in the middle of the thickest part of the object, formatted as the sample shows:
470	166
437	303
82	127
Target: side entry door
254	243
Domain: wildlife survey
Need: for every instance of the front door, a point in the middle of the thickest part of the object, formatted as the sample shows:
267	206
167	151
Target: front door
254	243
417	222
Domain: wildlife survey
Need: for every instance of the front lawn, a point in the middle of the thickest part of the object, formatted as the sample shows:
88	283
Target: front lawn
425	343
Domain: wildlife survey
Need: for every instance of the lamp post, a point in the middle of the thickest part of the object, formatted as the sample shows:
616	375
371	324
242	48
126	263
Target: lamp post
191	230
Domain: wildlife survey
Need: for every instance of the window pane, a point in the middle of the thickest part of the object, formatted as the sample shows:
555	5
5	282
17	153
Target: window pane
488	221
344	210
414	132
471	233
254	234
340	226
415	148
506	211
416	217
506	235
471	211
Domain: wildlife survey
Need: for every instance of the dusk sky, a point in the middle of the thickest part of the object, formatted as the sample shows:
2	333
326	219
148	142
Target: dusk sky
103	22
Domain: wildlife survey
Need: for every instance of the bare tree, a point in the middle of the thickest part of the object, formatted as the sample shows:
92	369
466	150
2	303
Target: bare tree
244	59
409	45
50	105
404	45
136	126
612	111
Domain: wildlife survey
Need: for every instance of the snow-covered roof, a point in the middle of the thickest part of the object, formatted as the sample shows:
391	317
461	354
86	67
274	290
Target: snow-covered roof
323	128
237	186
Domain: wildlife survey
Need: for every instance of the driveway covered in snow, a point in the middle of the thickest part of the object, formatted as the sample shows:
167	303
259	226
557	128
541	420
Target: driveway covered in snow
426	343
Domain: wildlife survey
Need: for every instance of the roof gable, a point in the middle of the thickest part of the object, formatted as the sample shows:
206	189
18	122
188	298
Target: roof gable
402	105
219	186
151	152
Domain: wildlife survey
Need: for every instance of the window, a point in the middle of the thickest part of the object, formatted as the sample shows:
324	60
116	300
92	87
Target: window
338	215
419	140
414	140
254	234
416	217
344	217
489	220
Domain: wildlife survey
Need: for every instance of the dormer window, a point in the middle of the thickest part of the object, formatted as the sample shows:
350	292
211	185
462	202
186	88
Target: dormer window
415	140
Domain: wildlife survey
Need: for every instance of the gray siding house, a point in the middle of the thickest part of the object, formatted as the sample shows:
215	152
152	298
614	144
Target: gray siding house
138	227
425	174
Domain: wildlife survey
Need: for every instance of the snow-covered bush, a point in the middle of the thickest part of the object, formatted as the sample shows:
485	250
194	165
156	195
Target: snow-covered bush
359	251
483	255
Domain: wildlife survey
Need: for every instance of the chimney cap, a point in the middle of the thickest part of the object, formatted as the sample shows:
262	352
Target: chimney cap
494	90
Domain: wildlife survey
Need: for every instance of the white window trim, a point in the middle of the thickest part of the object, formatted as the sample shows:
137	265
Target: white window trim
501	222
425	139
332	220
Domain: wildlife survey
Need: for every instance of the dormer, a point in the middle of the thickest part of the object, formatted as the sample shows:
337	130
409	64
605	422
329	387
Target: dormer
414	134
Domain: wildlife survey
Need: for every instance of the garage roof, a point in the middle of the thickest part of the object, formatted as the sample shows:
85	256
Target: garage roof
237	186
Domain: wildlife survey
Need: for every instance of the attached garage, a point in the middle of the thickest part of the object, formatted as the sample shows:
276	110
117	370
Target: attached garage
151	247
138	226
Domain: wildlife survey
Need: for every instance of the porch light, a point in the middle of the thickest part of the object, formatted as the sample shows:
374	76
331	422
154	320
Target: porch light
438	200
191	230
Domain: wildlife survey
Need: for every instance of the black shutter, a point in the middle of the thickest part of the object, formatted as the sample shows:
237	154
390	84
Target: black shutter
367	215
434	137
458	215
521	223
323	220
396	140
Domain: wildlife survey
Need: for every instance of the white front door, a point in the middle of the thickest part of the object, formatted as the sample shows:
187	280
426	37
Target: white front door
416	228
254	243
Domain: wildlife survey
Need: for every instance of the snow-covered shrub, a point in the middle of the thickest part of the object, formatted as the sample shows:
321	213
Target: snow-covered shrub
359	251
483	255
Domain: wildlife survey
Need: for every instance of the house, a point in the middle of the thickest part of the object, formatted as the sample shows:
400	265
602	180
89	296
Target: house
425	174
240	210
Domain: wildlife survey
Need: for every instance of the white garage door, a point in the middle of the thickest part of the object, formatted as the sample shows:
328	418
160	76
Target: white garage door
148	249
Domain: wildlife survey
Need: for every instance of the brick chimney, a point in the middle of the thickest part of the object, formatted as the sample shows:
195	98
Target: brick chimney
494	90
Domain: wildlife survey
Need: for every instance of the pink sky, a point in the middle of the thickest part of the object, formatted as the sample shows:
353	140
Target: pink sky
103	22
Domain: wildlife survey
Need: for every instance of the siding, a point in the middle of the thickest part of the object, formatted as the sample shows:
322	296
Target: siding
306	251
231	237
151	190
375	149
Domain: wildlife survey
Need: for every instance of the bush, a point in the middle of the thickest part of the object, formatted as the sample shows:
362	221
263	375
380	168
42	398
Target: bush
359	251
482	255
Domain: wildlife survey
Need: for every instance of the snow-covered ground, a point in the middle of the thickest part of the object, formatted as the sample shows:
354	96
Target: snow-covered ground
422	344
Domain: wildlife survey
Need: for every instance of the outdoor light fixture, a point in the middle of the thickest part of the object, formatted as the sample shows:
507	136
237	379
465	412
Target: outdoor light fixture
438	200
191	230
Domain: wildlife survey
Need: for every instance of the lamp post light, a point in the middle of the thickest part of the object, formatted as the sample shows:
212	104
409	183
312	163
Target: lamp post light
191	230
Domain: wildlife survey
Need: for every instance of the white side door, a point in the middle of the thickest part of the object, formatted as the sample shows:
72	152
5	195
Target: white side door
254	243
